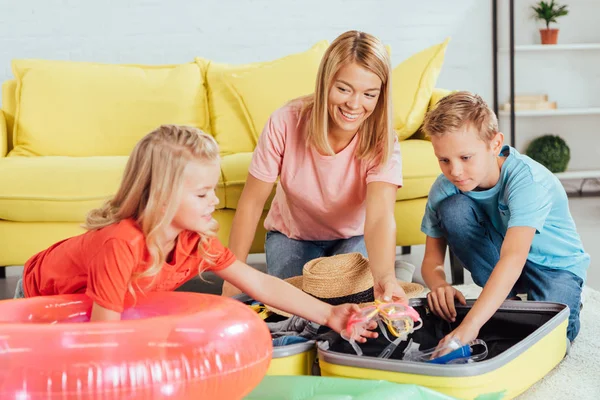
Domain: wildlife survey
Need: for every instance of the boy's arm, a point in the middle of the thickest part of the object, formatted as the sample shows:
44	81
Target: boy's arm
441	297
513	256
432	268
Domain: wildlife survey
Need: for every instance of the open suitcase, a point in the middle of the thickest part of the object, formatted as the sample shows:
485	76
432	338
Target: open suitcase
292	359
525	341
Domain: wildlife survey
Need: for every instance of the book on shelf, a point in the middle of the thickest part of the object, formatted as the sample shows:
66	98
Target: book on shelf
531	98
523	106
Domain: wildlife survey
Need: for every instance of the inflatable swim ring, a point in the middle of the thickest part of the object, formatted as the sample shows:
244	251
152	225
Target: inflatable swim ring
169	345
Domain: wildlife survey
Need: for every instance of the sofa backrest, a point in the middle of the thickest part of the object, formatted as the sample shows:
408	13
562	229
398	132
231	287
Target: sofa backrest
89	109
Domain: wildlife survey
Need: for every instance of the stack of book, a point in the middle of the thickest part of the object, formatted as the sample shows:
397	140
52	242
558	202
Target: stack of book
531	102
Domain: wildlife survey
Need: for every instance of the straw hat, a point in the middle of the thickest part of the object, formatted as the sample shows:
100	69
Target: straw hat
339	279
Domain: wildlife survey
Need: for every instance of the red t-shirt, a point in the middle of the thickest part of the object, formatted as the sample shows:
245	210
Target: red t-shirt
100	263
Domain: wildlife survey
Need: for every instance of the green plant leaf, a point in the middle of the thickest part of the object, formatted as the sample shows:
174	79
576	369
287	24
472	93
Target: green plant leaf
548	12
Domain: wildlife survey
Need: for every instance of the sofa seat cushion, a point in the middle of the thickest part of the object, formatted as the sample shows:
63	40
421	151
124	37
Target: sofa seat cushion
419	165
59	189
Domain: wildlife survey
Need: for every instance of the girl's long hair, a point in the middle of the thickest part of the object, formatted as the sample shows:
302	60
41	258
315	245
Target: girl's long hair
151	189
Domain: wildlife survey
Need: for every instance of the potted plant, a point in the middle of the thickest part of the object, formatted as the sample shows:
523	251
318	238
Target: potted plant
548	12
551	151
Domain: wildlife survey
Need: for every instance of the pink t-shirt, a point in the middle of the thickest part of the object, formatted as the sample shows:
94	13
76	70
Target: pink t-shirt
317	197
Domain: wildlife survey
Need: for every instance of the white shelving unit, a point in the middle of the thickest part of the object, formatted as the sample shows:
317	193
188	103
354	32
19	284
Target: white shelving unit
554	113
555	47
560	112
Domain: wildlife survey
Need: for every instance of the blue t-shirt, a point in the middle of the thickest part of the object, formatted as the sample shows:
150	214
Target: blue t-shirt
527	194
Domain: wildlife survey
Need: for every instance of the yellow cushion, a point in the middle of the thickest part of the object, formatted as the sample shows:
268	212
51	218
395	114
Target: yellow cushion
59	189
8	108
413	82
419	165
86	109
3	134
241	97
420	168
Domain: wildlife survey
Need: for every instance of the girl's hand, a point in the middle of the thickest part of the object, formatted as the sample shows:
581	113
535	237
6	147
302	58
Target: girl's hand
338	320
388	289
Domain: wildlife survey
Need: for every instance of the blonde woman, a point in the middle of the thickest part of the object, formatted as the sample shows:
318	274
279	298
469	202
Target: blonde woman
339	167
157	233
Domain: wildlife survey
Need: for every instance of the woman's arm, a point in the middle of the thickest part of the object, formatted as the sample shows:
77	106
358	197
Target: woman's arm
248	213
380	238
100	313
243	228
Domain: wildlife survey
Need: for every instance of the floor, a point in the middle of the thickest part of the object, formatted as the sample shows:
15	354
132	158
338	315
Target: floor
585	210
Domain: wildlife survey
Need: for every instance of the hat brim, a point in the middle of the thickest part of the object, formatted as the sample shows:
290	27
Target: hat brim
410	288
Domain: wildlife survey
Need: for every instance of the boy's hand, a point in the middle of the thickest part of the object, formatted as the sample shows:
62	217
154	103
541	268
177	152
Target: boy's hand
388	289
441	301
465	333
338	320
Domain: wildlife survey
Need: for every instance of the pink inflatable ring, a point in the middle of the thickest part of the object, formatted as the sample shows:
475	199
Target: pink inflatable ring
170	345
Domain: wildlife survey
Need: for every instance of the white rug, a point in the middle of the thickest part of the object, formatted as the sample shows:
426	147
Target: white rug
578	375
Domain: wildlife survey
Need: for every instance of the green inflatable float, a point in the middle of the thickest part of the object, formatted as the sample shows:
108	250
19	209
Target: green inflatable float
321	388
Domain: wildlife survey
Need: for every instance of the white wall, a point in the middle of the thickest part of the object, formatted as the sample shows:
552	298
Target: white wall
237	31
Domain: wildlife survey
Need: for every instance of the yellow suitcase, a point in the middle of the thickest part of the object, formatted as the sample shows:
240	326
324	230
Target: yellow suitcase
294	359
525	341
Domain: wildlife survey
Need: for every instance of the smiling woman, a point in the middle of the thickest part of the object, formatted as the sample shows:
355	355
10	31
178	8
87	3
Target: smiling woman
338	162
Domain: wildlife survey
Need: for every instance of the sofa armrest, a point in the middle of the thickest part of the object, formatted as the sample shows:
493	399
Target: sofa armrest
3	135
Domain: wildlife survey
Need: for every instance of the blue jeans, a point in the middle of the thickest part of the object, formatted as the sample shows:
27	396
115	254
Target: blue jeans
286	257
476	243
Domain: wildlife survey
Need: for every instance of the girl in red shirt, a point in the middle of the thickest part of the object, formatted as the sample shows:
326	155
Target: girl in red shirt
156	233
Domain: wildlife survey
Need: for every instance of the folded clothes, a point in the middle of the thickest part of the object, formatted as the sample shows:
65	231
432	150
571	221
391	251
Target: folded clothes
299	327
287	340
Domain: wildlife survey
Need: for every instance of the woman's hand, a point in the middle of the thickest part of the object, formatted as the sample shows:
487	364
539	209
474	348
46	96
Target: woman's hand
441	301
338	321
388	289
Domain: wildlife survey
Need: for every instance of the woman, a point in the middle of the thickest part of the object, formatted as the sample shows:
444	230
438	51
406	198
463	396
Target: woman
339	167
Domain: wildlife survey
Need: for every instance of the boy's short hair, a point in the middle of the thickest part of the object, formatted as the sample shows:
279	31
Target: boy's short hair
457	110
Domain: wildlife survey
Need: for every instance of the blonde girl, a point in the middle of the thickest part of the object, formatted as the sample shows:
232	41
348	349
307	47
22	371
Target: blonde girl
156	233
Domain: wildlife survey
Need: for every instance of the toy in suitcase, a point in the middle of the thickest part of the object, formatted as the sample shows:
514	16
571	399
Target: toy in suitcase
525	340
288	359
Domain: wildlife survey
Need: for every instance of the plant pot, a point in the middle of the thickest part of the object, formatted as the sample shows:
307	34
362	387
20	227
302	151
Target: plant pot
549	36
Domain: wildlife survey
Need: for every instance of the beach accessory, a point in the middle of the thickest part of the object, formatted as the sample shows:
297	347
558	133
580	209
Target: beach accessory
400	319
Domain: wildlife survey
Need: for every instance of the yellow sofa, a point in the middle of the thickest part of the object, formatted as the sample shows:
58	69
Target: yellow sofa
66	129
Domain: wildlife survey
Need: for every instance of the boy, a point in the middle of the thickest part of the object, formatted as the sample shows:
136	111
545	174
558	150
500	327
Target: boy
505	216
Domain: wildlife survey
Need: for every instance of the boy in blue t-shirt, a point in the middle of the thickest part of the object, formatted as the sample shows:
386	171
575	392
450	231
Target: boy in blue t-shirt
504	216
